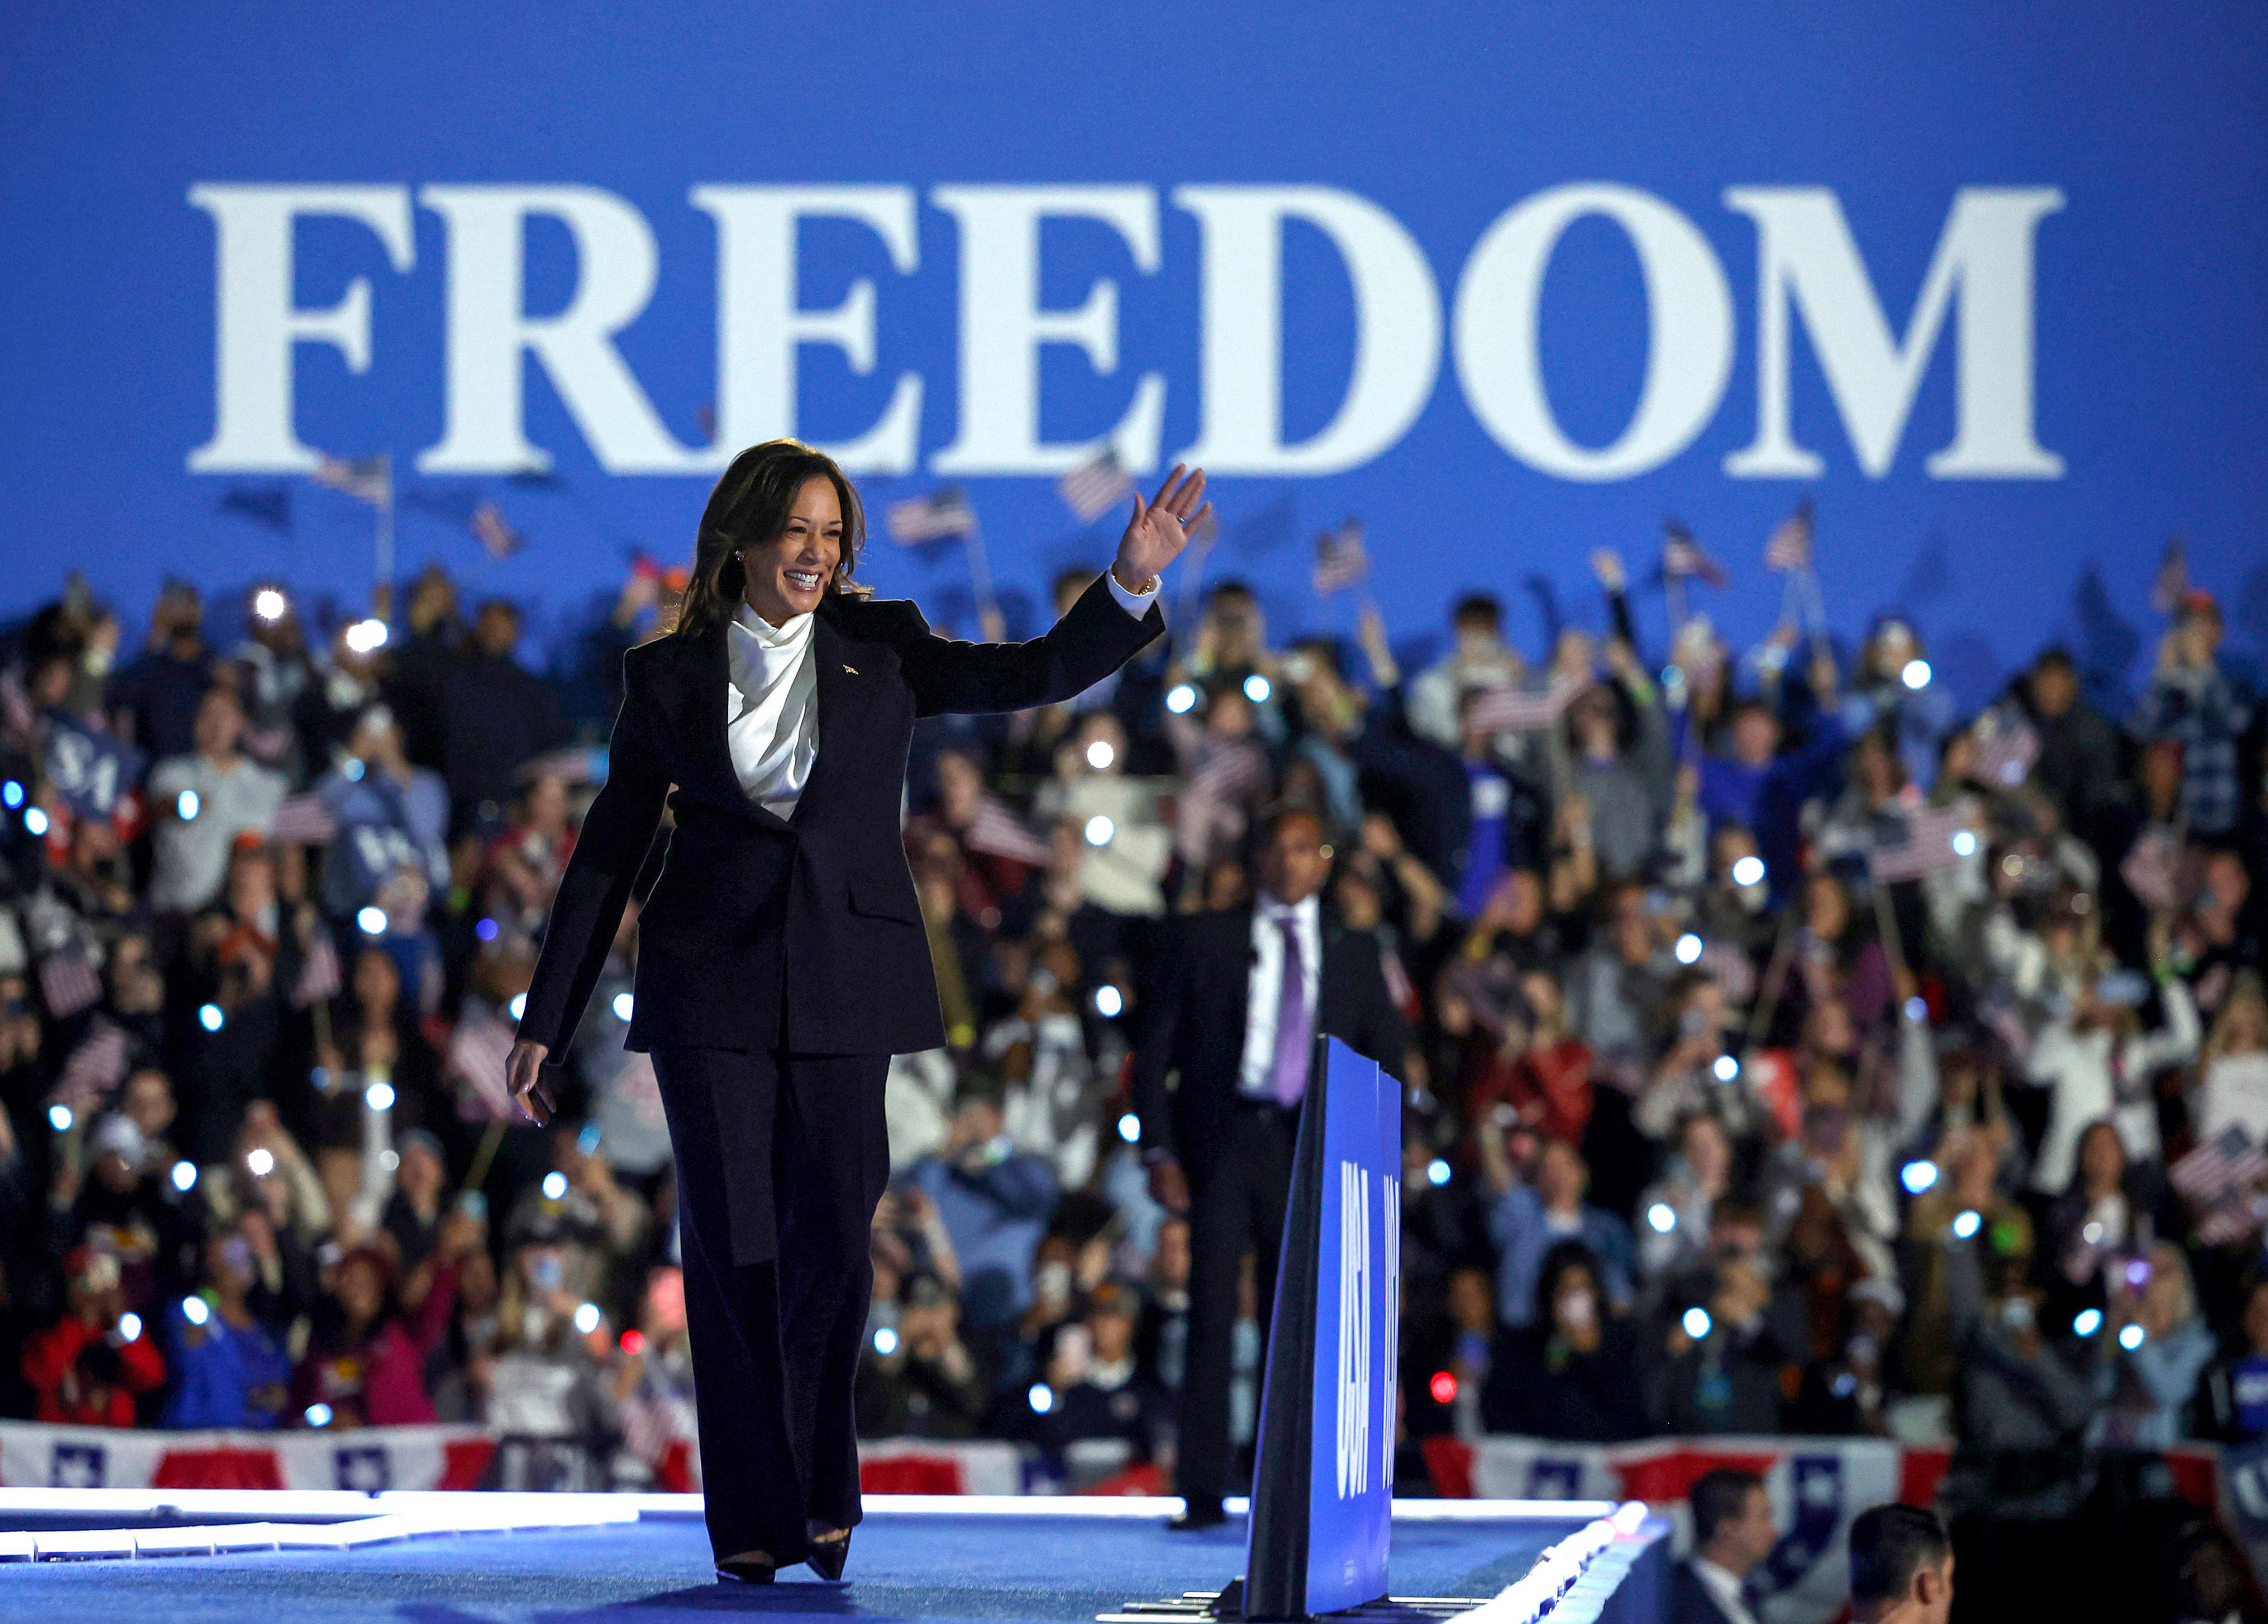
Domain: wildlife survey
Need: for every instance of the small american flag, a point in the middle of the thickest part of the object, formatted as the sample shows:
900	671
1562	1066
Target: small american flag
1096	486
1340	558
93	1068
497	538
1230	772
2006	747
998	832
2173	582
1927	841
1682	556
2228	1160
1789	545
304	820
367	479
2216	1179
931	518
68	982
478	1051
319	976
1507	709
2152	870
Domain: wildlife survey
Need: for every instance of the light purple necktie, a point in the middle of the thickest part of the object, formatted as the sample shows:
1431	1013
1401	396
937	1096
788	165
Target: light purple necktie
1295	1022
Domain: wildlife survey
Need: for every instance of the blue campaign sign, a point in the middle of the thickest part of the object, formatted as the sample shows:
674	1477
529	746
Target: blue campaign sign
1505	283
1358	1314
1323	1486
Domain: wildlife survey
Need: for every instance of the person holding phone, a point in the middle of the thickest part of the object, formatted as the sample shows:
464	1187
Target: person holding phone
781	956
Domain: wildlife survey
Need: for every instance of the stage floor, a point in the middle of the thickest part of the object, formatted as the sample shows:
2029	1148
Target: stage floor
1043	1561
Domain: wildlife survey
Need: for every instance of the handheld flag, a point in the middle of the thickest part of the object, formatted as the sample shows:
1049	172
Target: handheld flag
1789	545
930	518
1096	486
1340	558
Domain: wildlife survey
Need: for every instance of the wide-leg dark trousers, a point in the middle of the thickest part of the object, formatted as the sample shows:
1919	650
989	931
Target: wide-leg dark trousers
781	1160
1237	1200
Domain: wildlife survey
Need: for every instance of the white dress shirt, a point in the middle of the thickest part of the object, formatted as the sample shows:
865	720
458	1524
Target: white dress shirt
1725	1589
1256	1077
772	701
772	719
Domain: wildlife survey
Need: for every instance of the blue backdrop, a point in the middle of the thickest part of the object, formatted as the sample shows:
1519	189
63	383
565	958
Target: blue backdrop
1985	282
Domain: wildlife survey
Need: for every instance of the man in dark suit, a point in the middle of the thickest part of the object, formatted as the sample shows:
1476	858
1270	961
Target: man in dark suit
1732	1534
1235	1011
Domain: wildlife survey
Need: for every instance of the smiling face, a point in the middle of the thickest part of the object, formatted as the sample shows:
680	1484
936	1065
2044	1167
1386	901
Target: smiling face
789	574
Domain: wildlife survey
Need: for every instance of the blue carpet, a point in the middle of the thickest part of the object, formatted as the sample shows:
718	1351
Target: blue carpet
901	1568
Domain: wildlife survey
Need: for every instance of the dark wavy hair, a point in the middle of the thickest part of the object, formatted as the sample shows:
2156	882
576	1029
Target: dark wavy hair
750	505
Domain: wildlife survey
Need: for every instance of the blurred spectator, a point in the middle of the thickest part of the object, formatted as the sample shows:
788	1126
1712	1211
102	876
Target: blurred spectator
228	1368
995	1202
202	802
366	1365
1528	1219
2191	702
1569	1371
88	1366
2152	1379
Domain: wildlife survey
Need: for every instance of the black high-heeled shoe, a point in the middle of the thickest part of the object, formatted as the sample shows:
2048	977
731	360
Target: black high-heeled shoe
826	1557
748	1569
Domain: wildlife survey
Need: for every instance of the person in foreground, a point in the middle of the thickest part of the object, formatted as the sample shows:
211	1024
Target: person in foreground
1236	1010
1901	1567
1732	1534
782	958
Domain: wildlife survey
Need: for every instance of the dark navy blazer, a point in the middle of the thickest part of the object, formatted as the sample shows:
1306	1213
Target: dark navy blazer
798	934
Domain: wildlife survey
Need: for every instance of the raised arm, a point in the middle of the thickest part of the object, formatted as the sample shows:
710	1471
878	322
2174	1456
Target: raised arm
1108	626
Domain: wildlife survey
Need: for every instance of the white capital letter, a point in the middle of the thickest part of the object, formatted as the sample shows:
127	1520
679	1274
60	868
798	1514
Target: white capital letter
760	322
1805	257
490	328
1690	327
256	324
1397	324
1002	327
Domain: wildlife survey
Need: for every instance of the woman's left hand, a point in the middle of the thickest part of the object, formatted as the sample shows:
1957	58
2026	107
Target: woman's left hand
1160	528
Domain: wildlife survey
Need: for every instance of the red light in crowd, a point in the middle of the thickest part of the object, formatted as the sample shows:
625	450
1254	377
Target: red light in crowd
1443	1387
633	1343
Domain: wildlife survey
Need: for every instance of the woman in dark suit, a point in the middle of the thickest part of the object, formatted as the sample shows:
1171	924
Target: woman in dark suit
781	959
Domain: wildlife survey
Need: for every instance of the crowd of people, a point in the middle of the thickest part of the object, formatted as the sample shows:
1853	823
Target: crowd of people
1789	1050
